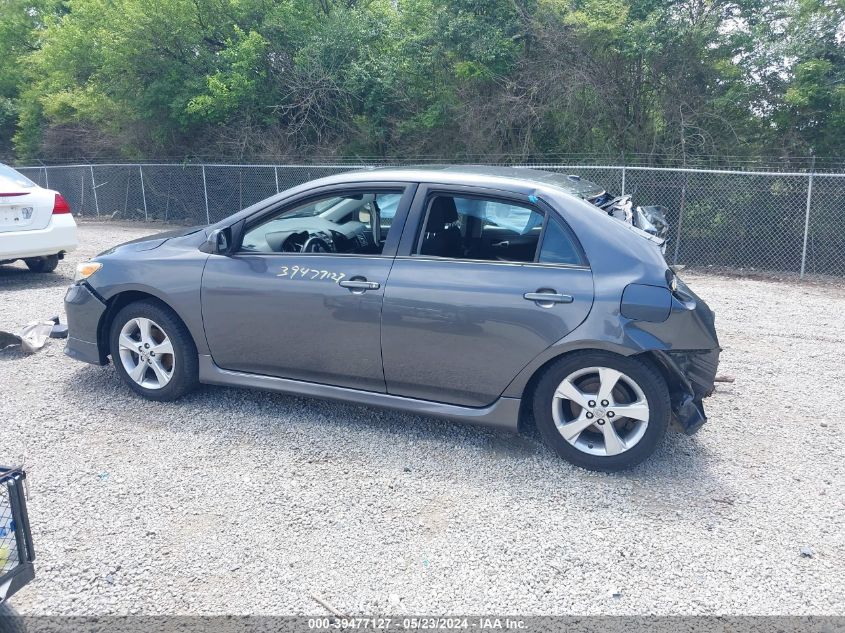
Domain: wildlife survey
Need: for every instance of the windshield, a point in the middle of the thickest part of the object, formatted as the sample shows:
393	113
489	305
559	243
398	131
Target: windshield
316	208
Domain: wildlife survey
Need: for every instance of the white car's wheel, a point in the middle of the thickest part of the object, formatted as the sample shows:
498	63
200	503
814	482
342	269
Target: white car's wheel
42	264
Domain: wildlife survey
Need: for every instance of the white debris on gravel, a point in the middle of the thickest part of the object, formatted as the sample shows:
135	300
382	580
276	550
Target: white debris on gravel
235	501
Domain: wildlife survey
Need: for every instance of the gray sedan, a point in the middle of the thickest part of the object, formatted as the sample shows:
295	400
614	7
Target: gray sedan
478	294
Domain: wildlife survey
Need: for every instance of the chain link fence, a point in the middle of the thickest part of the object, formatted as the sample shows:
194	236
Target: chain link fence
768	221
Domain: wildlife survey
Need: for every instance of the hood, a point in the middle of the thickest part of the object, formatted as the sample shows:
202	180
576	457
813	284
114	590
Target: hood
150	242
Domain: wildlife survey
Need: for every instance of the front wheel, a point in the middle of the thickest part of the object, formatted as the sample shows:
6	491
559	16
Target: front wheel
153	352
42	264
602	411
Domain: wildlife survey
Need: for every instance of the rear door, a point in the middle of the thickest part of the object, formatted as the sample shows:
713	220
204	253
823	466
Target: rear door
459	328
23	204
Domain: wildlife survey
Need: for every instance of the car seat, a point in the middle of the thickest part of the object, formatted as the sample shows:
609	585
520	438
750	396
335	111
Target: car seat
443	236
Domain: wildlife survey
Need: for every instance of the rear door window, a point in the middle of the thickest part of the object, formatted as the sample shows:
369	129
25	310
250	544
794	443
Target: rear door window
491	229
463	227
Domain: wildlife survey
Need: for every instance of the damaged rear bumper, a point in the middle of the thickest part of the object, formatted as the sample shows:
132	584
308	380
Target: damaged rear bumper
693	374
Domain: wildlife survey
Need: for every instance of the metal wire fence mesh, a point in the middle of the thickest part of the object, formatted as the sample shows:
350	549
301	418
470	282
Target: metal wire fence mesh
771	221
8	542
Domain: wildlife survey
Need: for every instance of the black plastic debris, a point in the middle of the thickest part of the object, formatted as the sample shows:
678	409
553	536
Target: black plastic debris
7	339
59	329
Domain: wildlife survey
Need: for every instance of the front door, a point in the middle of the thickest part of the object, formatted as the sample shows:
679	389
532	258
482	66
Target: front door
488	284
301	297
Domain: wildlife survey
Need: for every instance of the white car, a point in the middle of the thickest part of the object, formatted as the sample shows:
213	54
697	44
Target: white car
35	223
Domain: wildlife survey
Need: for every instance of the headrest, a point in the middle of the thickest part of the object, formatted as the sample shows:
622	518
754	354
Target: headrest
443	211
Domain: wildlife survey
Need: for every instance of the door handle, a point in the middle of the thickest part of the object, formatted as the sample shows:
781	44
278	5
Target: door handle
548	298
360	285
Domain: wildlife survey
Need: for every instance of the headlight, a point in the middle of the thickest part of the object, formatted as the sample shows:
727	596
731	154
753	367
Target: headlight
85	270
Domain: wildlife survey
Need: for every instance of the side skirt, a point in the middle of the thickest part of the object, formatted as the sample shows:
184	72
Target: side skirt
502	414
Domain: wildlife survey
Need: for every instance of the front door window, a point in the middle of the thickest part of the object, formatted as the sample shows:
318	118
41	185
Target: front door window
355	223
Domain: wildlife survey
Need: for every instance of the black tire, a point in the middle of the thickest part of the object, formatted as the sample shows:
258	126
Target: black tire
185	363
643	374
42	264
10	621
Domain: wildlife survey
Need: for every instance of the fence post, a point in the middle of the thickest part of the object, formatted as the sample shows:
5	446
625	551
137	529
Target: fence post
126	197
807	218
94	187
46	178
623	181
205	192
143	192
81	192
680	220
169	187
276	174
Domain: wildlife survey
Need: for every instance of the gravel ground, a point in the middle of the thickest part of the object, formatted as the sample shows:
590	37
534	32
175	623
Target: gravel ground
235	501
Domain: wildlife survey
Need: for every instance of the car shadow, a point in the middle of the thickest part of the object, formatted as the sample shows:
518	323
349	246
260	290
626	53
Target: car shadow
12	353
395	441
14	276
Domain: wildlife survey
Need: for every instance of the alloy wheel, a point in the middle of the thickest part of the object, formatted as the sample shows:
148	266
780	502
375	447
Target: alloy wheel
146	353
600	411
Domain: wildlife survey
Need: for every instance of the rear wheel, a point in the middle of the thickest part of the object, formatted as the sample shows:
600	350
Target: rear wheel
152	351
42	264
602	411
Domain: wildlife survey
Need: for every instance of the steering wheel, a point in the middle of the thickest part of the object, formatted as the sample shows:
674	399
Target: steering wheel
316	244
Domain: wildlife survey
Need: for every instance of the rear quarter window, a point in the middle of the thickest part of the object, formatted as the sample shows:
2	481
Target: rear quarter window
559	246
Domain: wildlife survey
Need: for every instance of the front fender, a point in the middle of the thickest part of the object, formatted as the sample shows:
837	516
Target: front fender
171	275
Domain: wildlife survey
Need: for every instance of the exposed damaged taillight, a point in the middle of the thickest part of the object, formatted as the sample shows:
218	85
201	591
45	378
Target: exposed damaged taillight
671	280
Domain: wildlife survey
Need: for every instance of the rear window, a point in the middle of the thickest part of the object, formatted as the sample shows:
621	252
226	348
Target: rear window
11	176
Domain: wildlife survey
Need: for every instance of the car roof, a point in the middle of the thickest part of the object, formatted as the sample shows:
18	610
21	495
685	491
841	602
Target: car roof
493	177
481	175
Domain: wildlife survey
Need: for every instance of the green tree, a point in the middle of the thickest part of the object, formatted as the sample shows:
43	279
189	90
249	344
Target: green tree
682	80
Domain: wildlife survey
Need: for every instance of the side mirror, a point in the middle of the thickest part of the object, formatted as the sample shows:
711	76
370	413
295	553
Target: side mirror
217	242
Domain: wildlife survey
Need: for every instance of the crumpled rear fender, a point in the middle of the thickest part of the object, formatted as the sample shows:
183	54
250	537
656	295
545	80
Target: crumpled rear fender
684	347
